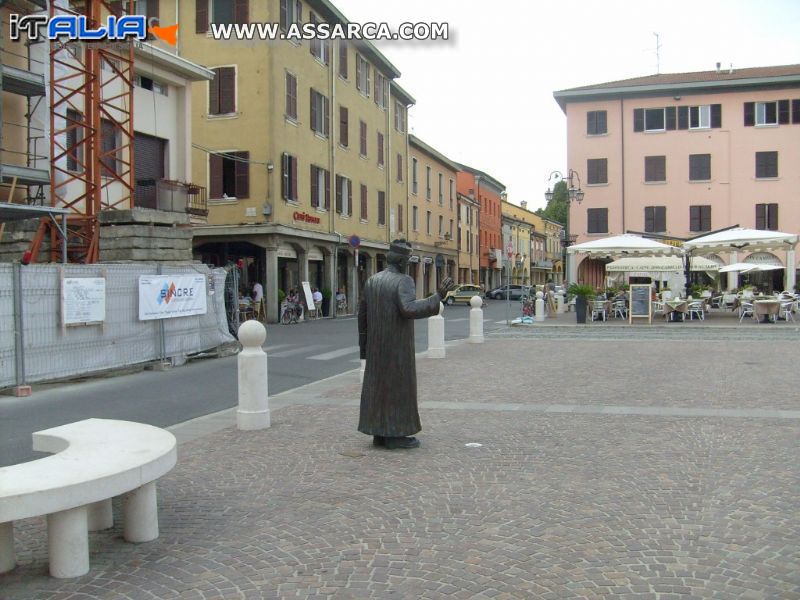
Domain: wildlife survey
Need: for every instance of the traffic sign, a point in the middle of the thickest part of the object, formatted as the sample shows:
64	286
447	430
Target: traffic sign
354	241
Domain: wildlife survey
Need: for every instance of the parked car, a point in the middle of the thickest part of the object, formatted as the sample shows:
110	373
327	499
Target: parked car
514	291
462	293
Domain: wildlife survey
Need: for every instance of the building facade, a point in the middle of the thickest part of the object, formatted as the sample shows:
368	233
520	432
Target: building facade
467	239
303	146
489	193
518	226
677	155
553	249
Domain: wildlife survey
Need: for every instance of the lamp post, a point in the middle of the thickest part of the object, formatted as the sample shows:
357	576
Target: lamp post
575	193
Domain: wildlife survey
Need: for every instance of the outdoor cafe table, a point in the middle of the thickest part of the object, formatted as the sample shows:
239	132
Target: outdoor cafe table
673	308
766	310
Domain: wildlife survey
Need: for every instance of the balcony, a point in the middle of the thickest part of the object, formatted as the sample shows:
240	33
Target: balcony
172	196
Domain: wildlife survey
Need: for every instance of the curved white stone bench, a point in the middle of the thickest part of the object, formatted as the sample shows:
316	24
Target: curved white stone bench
94	461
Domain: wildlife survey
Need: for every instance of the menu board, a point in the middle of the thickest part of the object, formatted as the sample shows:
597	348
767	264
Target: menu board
83	300
639	302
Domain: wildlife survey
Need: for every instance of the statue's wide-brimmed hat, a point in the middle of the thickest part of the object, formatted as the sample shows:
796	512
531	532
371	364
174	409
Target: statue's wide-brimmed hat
401	247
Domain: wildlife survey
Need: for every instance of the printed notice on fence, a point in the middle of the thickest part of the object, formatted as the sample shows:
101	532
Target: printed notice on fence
83	300
167	296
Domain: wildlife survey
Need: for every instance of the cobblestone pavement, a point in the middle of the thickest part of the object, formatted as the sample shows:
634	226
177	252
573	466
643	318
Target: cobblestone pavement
623	467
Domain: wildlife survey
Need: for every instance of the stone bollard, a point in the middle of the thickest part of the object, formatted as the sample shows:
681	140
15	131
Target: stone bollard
561	305
361	370
253	412
476	320
436	334
539	316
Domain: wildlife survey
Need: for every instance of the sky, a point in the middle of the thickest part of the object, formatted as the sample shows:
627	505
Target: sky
485	96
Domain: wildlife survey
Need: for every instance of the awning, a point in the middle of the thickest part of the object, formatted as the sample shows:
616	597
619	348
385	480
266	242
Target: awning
621	245
659	264
739	238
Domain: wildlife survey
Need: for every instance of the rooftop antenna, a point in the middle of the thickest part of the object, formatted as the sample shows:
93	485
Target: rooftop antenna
658	54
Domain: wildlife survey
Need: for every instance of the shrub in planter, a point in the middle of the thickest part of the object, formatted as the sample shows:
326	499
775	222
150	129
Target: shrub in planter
583	294
326	301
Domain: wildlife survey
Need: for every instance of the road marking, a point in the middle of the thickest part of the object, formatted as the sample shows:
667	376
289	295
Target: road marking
457	320
334	353
299	350
276	346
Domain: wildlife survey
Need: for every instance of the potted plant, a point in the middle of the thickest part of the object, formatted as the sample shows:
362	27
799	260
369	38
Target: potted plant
583	294
326	301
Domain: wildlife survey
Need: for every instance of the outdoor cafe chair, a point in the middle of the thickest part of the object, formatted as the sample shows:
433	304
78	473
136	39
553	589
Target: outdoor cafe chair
745	310
620	310
598	310
696	309
658	307
787	310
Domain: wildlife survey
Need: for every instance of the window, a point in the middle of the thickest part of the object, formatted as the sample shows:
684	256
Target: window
320	49
428	222
655	218
229	175
288	177
223	12
381	90
655	168
363	202
654	119
344	196
382	208
380	149
320	188
399	117
596	122
362	75
428	183
441	225
320	113
451	229
291	96
767	216
597	220
74	138
441	189
699	167
109	149
291	12
400	218
700	117
362	138
766	165
414	218
597	170
399	168
700	217
451	194
344	134
343	72
414	181
150	84
222	91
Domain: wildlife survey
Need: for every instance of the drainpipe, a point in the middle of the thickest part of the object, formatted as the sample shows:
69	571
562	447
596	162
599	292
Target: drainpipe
622	156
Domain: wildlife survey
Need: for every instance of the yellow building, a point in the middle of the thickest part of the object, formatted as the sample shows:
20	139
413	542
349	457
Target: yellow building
553	250
434	212
467	239
519	227
303	148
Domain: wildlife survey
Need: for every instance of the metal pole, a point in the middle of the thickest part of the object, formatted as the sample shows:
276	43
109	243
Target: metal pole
162	344
508	291
19	336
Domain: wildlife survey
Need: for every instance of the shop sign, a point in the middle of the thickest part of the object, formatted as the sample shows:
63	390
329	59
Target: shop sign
305	217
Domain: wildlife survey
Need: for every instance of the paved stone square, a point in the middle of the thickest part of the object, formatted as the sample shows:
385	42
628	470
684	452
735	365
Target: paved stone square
617	466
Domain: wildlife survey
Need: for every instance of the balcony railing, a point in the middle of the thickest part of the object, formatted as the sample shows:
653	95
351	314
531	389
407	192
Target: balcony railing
172	196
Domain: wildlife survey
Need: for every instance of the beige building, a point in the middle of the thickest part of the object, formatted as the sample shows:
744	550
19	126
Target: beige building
677	155
434	214
553	249
303	148
517	225
467	239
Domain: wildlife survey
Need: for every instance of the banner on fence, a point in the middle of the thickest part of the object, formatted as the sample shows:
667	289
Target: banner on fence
83	300
167	296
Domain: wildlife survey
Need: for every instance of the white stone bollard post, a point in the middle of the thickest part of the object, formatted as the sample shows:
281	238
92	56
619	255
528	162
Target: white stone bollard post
436	334
561	305
476	320
361	370
253	412
539	316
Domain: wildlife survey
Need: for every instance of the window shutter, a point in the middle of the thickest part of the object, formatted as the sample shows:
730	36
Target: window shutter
326	110
201	16
716	116
359	68
227	90
638	119
285	181
362	137
761	214
399	217
284	13
694	218
796	111
339	194
314	187
215	175
669	116
649	226
661	218
591	122
242	171
772	215
749	114
298	11
327	190
783	112
602	121
363	201
349	197
314	115
683	117
343	58
241	12
213	93
293	170
344	138
152	9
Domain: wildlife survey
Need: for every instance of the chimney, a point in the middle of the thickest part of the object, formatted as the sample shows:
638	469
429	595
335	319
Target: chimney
730	71
524	204
718	66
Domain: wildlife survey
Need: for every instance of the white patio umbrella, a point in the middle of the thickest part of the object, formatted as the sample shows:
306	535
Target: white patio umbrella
738	268
659	264
621	245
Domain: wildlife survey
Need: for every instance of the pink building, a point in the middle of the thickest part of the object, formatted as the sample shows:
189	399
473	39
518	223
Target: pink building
677	155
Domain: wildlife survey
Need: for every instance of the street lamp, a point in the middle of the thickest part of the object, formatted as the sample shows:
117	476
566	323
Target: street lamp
575	193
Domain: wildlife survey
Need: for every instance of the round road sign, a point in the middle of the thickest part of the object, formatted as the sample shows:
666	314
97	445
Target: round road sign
354	241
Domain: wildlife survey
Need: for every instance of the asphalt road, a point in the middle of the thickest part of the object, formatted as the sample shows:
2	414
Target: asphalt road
298	354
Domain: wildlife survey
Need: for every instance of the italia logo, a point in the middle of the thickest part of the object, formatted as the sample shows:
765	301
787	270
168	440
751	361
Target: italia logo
76	27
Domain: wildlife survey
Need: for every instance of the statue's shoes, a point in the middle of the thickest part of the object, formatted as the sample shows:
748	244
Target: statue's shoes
396	443
378	440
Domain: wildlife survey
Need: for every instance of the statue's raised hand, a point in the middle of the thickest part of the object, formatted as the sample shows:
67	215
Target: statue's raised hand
445	286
